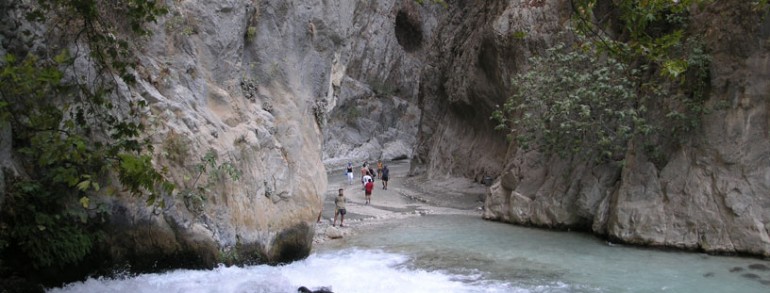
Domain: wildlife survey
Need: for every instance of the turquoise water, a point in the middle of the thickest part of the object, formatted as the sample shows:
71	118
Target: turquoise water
451	253
535	260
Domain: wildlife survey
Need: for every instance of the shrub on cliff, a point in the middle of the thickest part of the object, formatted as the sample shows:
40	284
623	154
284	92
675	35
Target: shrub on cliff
573	102
592	97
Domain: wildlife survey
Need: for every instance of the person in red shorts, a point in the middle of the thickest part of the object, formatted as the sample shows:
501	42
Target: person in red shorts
368	191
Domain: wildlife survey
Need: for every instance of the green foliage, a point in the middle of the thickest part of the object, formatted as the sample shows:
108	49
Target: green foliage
653	36
228	257
132	13
571	102
591	100
209	164
196	195
100	23
47	237
761	6
687	104
137	173
68	134
519	35
650	30
251	32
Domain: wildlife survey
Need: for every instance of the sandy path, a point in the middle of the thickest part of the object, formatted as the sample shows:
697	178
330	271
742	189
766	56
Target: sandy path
404	198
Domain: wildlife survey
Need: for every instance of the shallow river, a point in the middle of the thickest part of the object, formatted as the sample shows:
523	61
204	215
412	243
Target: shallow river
452	253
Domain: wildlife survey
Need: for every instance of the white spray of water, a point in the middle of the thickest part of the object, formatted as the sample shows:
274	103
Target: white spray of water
351	270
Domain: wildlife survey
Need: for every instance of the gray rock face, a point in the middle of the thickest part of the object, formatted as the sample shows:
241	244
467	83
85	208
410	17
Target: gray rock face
473	56
266	84
263	85
244	78
710	195
375	82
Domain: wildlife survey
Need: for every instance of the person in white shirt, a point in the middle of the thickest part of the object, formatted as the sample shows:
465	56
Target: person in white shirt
366	179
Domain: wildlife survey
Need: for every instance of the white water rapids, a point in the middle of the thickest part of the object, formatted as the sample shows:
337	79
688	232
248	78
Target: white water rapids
350	270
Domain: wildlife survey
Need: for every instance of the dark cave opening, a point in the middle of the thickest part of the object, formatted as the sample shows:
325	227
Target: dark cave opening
408	31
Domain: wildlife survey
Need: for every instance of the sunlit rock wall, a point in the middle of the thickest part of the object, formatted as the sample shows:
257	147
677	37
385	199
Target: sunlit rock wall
277	88
262	85
245	79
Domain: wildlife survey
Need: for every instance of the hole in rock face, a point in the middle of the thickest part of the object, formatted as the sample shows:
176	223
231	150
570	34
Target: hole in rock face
408	31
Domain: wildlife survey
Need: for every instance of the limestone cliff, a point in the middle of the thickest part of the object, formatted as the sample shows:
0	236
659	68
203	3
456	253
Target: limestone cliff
373	112
473	57
242	78
710	193
264	83
275	88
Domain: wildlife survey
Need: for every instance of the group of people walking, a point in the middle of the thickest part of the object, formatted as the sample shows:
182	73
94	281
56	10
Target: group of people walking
367	181
368	174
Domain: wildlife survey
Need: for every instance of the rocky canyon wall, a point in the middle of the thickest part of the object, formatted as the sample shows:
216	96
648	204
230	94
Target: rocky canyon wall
373	114
280	88
272	86
709	194
261	85
242	78
473	57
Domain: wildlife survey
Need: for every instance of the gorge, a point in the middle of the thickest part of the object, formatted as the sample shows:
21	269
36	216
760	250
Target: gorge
282	91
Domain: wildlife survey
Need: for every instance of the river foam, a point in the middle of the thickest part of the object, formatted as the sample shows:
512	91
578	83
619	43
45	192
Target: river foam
349	270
